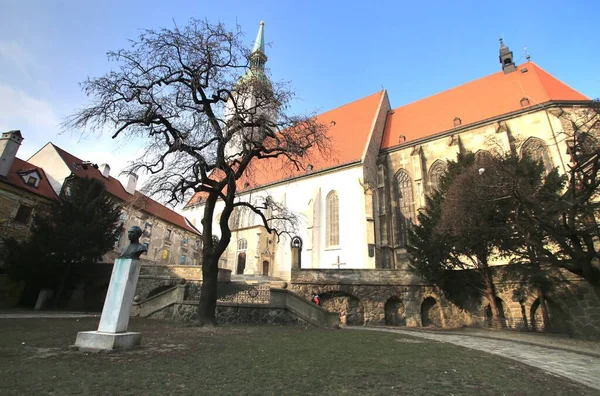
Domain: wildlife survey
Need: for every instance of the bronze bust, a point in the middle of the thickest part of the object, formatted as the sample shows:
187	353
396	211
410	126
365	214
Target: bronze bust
135	248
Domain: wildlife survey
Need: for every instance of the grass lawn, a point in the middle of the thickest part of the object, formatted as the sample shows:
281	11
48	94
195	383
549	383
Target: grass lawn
35	359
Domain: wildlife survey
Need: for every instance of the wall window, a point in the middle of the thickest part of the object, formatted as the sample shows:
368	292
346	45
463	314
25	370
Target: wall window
168	234
23	215
537	150
148	229
165	255
242	244
235	219
185	240
332	222
405	212
437	170
182	259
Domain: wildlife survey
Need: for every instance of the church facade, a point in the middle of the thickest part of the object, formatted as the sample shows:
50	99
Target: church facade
355	209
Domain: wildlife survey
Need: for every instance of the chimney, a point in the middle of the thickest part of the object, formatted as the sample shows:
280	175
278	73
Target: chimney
131	183
9	144
105	169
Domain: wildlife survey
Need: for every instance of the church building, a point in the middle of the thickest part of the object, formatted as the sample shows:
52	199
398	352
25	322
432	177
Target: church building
357	205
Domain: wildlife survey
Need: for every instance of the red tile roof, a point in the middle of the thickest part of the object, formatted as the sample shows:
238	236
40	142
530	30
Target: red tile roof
349	128
115	188
478	100
43	189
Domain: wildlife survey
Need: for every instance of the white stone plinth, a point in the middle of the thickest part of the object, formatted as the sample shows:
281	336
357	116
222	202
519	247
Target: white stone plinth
112	331
98	340
119	298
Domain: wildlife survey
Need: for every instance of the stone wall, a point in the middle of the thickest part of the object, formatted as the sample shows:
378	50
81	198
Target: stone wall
154	278
11	198
378	297
230	314
356	277
171	271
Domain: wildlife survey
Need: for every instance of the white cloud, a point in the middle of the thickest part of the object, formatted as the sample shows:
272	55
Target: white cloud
18	108
18	56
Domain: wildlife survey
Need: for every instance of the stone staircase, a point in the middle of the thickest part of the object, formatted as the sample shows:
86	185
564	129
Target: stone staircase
166	304
256	279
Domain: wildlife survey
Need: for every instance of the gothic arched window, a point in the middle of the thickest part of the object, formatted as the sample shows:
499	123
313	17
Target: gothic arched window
406	205
537	150
242	244
482	157
332	221
437	170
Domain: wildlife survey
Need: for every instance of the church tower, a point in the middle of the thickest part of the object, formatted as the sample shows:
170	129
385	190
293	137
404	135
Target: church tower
506	59
253	101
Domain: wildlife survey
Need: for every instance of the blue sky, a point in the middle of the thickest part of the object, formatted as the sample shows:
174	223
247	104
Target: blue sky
332	52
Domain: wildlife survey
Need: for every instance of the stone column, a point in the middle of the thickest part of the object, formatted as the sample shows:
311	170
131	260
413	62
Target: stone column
112	331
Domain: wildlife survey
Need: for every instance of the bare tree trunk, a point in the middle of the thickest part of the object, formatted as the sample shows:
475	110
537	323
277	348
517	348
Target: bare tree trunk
208	296
544	308
524	316
61	286
490	290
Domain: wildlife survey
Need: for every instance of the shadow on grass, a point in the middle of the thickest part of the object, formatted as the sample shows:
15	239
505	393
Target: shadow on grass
261	360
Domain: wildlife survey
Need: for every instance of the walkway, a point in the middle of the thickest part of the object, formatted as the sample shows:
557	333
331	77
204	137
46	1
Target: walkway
574	366
46	315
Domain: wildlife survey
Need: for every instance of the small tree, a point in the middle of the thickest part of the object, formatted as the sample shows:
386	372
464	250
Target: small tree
83	226
205	126
457	230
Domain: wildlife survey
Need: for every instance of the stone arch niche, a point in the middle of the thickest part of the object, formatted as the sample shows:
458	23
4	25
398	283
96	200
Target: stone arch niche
296	246
559	320
395	312
505	316
431	314
241	263
348	306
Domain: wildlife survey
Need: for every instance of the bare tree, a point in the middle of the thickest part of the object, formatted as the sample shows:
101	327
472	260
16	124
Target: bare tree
205	108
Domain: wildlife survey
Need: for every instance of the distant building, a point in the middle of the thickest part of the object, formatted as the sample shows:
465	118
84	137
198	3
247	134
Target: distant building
171	238
24	189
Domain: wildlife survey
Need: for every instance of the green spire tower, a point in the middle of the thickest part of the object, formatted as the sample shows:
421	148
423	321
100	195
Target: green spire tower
256	73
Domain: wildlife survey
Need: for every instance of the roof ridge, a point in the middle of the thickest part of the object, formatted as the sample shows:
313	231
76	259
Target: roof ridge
350	103
450	89
539	68
535	68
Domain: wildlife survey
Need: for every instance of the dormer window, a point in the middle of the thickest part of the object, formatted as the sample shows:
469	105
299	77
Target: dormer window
457	121
524	102
31	178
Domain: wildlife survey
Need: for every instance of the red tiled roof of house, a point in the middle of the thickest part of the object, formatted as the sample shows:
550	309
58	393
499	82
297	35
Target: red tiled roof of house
43	189
478	100
115	188
349	128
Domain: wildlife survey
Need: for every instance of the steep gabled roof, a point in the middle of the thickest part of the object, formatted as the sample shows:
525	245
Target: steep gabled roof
478	100
115	188
44	189
349	131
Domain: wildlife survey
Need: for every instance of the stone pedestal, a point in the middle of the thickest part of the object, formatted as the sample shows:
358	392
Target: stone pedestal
97	340
112	332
